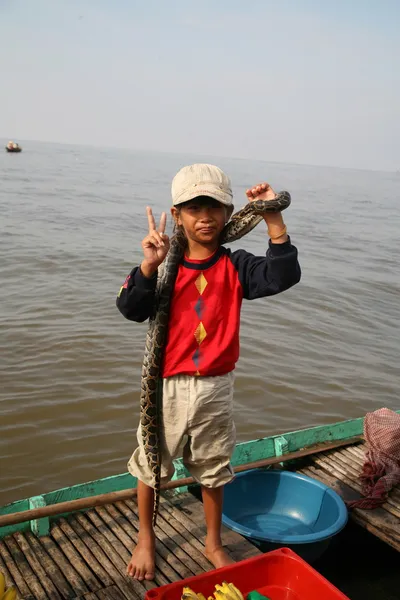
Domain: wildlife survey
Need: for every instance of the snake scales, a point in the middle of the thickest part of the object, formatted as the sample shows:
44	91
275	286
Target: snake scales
240	224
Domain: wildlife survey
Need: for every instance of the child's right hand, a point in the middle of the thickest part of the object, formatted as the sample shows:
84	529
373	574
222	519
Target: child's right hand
155	245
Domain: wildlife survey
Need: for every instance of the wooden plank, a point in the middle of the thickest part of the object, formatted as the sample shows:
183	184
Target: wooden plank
195	531
8	577
360	462
340	472
180	571
94	557
359	516
353	459
117	553
36	567
108	530
111	593
51	568
343	467
352	468
96	560
107	556
357	452
195	534
90	596
378	521
172	504
74	557
61	560
184	538
394	493
360	450
355	456
337	469
172	540
120	509
87	556
29	576
356	514
116	530
234	543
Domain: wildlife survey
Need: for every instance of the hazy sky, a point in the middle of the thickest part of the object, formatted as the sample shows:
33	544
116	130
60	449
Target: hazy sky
302	81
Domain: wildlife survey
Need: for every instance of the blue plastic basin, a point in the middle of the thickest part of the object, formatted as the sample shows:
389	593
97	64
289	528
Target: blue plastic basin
281	508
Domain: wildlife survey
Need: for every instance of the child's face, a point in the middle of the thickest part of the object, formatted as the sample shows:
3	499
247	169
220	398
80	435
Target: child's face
202	218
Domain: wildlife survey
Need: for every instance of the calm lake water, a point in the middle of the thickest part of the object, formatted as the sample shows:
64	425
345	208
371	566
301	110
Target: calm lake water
72	219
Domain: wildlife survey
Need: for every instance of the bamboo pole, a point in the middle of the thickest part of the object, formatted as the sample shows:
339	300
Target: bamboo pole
111	497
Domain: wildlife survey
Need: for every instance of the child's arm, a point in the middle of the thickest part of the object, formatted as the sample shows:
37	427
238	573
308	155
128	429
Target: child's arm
276	226
135	299
279	270
267	275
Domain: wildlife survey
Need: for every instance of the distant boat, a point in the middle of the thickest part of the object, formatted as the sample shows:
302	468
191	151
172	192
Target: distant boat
13	147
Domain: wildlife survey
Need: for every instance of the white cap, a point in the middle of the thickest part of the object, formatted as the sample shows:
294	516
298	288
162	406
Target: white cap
201	180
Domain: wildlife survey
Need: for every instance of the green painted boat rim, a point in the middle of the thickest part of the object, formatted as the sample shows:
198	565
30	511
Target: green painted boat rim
245	452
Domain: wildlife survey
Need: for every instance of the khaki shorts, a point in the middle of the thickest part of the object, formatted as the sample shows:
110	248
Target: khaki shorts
197	412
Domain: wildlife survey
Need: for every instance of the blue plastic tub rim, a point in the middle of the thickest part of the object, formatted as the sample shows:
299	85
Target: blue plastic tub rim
310	538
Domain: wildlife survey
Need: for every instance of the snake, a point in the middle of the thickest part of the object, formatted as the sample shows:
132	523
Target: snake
240	223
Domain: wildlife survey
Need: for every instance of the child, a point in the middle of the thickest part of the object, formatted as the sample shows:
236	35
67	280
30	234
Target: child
202	345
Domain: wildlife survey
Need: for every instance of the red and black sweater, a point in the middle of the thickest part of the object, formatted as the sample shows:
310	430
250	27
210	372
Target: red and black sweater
203	331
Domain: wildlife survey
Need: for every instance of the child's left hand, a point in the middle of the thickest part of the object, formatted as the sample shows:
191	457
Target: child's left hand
274	221
261	191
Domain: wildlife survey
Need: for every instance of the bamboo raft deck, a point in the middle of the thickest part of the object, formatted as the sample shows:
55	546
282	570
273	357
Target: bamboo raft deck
86	553
340	469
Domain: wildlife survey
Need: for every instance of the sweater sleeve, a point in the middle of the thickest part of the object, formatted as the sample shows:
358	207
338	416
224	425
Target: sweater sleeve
267	275
136	297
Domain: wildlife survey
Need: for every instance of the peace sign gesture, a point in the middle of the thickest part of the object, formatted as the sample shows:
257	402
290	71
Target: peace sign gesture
155	245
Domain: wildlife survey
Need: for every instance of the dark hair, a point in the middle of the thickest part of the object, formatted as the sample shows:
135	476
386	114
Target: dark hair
177	227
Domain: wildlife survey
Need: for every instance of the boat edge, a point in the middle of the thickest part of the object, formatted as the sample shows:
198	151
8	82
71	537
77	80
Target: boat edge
245	452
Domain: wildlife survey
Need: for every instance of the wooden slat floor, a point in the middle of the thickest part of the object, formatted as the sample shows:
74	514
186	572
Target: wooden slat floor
340	469
85	555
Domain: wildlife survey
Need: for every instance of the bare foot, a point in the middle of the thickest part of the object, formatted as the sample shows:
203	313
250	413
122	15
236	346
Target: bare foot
142	563
218	557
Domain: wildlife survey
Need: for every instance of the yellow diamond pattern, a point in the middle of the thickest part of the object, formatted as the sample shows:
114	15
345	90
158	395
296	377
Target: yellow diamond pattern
200	333
201	283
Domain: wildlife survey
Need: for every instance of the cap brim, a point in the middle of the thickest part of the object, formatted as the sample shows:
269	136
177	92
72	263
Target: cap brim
215	193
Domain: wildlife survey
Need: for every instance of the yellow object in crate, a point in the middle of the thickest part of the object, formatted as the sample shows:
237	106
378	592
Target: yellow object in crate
225	591
9	594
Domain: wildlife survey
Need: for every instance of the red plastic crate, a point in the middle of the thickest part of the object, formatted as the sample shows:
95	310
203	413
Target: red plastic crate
279	575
